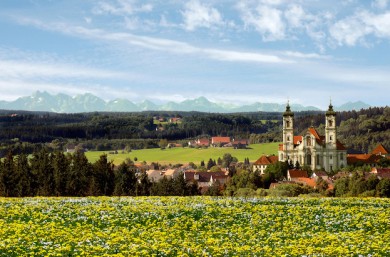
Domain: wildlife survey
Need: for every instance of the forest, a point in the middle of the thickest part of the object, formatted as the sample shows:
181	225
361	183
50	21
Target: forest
26	132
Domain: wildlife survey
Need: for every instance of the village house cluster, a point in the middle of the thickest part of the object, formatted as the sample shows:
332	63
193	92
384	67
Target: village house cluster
323	154
219	142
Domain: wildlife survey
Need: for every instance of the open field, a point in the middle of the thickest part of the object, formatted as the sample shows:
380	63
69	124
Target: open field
185	155
194	226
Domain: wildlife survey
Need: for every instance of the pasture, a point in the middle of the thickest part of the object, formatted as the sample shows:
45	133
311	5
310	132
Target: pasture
186	155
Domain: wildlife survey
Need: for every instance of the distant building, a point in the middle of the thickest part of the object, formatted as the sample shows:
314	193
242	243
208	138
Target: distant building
206	179
311	149
371	158
262	163
294	174
220	141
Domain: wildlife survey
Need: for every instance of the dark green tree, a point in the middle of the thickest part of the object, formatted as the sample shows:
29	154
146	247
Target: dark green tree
143	184
210	164
22	174
125	180
61	169
80	171
103	177
383	188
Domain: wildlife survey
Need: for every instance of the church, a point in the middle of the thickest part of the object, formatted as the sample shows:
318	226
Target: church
311	149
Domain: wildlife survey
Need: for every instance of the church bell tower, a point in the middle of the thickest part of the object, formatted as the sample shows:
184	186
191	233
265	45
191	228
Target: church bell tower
330	128
288	133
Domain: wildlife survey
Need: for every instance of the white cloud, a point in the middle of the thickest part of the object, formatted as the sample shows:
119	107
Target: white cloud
26	69
121	7
380	4
158	44
265	19
197	15
354	29
295	16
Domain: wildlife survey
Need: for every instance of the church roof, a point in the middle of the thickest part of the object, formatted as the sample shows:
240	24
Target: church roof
288	111
330	111
298	140
314	132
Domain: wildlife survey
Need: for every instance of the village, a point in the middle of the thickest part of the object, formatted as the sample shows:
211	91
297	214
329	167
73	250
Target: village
311	160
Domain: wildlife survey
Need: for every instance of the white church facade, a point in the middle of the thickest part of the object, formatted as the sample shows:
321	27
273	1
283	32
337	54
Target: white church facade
311	149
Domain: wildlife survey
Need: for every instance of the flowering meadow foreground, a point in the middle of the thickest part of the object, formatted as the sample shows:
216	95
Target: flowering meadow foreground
194	226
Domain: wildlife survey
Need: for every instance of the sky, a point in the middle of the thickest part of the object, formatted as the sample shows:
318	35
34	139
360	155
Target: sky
232	51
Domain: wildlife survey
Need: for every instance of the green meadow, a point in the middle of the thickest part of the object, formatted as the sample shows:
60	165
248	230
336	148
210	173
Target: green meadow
185	155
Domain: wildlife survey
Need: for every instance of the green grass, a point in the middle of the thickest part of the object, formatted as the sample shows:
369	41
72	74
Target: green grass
185	155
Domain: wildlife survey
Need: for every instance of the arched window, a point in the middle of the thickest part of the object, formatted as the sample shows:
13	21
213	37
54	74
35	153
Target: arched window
330	122
308	141
288	124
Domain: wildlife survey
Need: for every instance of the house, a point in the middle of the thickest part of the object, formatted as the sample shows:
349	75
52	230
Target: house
240	143
370	159
381	151
202	142
311	148
220	141
205	179
294	174
319	174
174	120
262	163
381	172
156	175
70	148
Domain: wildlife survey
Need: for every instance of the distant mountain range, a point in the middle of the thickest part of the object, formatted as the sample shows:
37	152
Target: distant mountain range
61	103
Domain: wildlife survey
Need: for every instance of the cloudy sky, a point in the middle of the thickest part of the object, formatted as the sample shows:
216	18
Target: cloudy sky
230	51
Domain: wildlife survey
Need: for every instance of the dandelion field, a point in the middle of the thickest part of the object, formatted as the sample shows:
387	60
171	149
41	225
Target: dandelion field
194	226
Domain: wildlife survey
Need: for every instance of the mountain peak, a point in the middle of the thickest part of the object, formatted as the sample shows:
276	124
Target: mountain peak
43	101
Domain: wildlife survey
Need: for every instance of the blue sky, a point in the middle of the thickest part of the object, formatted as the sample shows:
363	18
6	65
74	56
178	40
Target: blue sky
232	51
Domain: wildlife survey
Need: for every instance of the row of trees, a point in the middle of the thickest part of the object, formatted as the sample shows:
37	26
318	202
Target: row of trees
359	184
57	174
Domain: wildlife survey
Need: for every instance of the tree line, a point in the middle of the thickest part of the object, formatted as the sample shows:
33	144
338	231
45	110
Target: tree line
360	130
59	174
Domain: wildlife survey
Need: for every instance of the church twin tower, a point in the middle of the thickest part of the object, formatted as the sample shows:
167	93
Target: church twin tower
311	149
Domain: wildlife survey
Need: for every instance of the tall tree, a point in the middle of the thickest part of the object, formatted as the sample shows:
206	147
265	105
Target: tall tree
79	174
103	177
23	175
42	171
125	180
61	170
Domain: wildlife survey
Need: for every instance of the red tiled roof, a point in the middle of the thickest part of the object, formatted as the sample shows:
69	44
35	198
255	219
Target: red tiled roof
297	173
298	140
280	147
205	176
314	132
364	158
266	160
380	149
220	140
307	181
240	141
203	141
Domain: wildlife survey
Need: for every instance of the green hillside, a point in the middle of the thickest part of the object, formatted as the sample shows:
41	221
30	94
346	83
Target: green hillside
185	155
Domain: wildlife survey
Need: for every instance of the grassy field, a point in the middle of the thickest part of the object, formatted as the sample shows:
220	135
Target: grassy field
194	226
185	155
